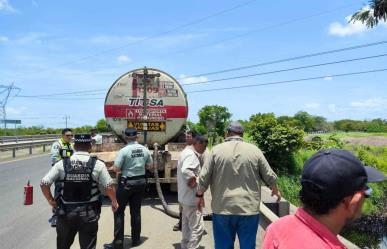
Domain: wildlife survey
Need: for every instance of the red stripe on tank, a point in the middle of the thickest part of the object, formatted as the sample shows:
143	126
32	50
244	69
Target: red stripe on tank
121	111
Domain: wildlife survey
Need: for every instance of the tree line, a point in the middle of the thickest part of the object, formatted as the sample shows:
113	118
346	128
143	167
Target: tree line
41	130
213	119
280	137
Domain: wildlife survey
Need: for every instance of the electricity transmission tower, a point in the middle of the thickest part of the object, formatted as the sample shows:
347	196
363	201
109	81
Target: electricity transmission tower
66	117
6	92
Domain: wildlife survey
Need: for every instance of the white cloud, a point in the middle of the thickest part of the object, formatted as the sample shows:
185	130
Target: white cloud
347	29
351	28
3	39
370	103
15	110
123	58
328	78
312	105
7	7
191	80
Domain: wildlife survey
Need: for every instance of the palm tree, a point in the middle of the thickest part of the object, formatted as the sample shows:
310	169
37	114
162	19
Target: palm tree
372	14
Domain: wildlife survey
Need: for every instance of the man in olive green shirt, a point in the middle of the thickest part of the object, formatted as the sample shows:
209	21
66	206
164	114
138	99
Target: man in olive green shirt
234	172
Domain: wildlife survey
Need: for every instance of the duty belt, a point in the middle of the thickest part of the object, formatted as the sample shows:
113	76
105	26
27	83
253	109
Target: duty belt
84	207
132	177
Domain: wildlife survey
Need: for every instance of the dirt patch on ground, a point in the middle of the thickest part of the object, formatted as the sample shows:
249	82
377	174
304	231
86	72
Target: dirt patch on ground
372	140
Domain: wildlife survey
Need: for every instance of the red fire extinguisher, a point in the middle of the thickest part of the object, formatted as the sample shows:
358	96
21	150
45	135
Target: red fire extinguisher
28	194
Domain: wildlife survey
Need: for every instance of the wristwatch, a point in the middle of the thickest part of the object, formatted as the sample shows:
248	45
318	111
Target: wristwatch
197	195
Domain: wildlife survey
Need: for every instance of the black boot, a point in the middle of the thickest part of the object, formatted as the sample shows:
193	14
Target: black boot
109	246
177	227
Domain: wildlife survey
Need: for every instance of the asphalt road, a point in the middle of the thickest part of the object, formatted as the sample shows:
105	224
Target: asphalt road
26	227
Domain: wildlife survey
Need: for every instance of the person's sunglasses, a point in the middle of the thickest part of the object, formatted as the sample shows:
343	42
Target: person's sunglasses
68	135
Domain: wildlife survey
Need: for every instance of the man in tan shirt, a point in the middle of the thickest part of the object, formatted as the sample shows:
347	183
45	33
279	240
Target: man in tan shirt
234	171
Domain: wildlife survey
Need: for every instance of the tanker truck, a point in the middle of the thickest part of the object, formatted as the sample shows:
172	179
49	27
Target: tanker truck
154	103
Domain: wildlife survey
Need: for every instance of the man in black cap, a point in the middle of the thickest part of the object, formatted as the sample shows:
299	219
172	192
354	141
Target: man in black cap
130	165
78	203
334	186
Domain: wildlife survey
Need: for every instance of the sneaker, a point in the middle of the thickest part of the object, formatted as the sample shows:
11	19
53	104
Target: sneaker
108	246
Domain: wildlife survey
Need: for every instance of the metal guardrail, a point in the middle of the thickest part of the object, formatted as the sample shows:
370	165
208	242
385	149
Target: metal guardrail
15	147
15	143
16	139
272	211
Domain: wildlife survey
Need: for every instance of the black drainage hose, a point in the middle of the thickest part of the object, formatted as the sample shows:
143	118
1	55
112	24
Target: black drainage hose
156	163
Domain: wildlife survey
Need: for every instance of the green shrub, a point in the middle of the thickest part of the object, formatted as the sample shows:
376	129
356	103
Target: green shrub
277	141
290	187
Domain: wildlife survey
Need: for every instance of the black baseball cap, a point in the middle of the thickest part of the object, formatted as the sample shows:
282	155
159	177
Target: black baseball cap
335	173
130	132
82	138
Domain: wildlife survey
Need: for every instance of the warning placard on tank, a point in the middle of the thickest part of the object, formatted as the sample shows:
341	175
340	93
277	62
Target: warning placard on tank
151	114
168	93
148	126
167	84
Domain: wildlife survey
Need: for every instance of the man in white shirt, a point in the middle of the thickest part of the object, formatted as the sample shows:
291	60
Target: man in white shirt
188	169
97	140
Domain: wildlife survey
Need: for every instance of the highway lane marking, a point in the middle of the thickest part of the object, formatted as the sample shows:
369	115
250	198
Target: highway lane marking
26	158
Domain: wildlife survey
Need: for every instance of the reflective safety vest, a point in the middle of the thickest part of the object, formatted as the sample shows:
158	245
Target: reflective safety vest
63	148
78	183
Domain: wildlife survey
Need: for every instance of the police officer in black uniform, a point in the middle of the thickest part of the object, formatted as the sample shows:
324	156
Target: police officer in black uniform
78	203
130	163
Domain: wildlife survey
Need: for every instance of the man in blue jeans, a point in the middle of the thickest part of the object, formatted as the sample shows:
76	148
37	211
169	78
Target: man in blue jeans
234	171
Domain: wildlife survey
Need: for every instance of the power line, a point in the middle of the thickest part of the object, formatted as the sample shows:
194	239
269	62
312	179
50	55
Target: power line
254	31
205	45
290	59
51	117
263	84
290	81
48	98
226	70
154	36
287	69
58	94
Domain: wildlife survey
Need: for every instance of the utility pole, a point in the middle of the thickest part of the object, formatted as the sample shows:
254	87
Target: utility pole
146	79
65	118
145	104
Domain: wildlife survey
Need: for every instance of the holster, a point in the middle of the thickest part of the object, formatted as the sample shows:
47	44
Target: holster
131	182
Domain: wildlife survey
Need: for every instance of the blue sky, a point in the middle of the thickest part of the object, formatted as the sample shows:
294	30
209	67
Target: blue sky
51	47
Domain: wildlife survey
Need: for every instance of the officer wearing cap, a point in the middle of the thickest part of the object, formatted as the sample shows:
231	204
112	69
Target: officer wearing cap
62	147
333	189
78	203
130	165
